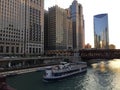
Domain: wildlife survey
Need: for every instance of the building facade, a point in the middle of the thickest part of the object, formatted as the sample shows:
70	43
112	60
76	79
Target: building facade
76	12
101	36
46	30
59	29
112	46
21	27
34	27
88	46
69	30
12	26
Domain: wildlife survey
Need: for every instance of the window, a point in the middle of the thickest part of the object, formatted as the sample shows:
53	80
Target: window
36	50
17	49
39	50
1	49
30	50
33	50
7	49
12	49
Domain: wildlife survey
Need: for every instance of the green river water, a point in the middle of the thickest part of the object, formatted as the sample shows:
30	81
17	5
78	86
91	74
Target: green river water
101	76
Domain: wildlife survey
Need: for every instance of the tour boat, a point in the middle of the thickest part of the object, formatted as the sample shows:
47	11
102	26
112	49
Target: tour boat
64	70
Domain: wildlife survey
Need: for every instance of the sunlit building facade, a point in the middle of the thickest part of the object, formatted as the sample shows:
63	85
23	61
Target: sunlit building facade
101	36
76	11
112	46
21	27
88	46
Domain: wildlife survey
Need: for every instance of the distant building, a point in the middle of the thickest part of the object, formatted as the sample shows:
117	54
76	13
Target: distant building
88	46
101	33
76	12
59	29
21	27
112	46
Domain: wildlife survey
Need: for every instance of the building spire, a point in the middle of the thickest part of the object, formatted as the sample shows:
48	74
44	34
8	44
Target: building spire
74	1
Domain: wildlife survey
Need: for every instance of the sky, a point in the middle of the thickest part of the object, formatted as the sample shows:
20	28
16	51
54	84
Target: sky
94	7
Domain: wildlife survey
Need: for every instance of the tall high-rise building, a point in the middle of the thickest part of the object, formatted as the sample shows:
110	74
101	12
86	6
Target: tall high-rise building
34	27
46	30
59	27
69	30
101	36
21	27
12	26
76	11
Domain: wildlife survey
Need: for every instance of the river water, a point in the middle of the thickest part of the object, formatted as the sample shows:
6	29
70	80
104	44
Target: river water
104	75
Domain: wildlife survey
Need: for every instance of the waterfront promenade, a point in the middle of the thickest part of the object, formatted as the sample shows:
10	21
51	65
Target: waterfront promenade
15	66
19	65
22	71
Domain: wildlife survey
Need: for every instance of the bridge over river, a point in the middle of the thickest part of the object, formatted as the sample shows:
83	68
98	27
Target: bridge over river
100	54
88	53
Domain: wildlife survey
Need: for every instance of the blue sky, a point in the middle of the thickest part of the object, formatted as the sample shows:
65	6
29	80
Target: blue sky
91	8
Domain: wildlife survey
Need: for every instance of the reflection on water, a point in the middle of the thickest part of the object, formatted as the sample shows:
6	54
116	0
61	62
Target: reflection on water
113	65
107	73
102	76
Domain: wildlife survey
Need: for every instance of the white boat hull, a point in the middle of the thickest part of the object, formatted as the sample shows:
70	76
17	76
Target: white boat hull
53	78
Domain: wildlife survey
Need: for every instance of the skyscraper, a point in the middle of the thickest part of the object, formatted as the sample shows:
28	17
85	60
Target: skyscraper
34	27
69	30
12	26
59	27
76	11
101	36
21	27
46	30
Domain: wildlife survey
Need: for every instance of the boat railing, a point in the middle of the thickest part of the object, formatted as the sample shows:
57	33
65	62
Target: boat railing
65	69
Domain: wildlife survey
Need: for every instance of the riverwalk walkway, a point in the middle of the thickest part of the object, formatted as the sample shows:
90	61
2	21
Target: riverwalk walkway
22	71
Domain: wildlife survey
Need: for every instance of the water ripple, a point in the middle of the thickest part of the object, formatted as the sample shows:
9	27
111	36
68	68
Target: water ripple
101	77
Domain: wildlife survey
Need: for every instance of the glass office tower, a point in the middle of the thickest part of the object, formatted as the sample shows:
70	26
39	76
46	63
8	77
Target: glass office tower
76	11
101	37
